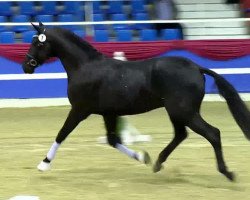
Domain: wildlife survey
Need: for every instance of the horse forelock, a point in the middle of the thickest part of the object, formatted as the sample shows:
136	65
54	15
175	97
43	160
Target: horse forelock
79	42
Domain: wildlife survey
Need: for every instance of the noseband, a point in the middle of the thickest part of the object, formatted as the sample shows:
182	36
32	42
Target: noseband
33	62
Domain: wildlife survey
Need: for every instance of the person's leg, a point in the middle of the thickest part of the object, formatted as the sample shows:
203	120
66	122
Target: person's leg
160	26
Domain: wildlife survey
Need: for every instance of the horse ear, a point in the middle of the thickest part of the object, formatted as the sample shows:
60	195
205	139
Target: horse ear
37	28
41	25
40	28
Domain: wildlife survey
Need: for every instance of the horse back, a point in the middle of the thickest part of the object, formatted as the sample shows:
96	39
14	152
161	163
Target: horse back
175	73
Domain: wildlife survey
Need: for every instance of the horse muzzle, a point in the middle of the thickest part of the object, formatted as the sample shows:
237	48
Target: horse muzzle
28	69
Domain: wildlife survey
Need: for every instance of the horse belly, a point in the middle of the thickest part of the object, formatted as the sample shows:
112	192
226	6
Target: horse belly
141	108
129	104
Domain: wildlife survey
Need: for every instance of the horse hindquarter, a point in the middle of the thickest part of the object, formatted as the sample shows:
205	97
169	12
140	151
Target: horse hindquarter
180	84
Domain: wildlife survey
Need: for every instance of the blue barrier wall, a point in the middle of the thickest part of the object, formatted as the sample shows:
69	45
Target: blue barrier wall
45	88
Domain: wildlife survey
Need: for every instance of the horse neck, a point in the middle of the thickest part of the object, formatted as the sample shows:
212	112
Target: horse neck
72	55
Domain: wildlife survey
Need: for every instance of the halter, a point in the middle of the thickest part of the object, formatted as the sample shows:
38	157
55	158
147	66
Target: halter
33	61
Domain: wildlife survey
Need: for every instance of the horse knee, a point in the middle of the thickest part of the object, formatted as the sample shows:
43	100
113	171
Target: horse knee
113	139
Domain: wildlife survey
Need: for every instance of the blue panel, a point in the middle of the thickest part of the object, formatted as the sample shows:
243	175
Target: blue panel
48	8
239	81
142	17
3	19
71	7
58	87
138	6
20	18
97	7
148	35
33	88
97	17
233	63
67	18
28	36
5	8
27	8
101	35
7	37
124	35
44	18
10	67
119	17
115	7
171	34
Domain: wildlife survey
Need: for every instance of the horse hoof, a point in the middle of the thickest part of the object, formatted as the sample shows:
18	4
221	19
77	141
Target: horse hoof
147	159
157	167
230	176
144	158
44	166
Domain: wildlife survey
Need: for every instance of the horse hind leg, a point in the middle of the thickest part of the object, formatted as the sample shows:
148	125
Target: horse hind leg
212	134
179	108
180	135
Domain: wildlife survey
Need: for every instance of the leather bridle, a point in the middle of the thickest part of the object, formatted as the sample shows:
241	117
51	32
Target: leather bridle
33	61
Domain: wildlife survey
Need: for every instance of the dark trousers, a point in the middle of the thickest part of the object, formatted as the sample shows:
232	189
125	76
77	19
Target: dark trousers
161	26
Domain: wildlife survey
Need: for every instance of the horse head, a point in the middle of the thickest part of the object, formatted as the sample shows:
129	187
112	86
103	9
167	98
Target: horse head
40	49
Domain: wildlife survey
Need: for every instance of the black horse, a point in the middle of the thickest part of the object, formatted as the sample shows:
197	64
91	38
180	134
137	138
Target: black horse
111	88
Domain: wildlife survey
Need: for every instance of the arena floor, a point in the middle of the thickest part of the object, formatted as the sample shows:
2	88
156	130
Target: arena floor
84	169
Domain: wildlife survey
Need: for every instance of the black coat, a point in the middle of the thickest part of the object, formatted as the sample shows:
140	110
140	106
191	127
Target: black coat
232	1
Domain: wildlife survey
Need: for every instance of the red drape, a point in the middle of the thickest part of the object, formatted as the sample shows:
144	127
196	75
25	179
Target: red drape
211	49
245	4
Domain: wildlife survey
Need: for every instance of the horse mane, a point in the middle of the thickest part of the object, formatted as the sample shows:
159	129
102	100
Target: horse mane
92	52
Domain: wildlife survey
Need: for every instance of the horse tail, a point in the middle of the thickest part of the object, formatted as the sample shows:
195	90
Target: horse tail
236	105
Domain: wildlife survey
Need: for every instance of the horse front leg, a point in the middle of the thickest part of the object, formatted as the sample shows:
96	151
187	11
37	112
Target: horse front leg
73	119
